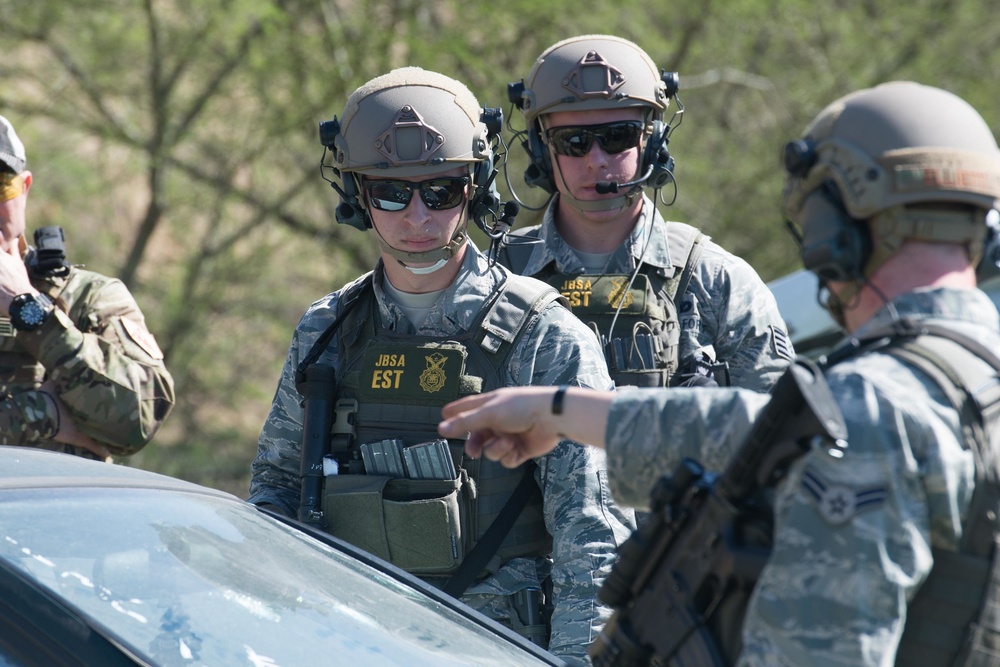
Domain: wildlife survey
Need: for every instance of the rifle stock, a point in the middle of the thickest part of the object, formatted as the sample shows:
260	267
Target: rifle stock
682	580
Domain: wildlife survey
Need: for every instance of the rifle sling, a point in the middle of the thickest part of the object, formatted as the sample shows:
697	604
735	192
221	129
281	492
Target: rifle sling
477	559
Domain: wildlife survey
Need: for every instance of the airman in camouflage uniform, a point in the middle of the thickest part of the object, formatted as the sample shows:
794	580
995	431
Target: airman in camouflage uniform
79	371
894	188
693	314
432	286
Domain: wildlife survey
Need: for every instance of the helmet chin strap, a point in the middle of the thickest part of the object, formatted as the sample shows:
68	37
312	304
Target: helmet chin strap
614	203
439	256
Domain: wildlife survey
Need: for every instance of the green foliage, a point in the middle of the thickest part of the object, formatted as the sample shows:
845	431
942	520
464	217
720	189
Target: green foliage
176	142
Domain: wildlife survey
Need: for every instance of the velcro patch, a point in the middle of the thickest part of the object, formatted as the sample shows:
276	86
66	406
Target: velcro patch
397	372
140	335
603	294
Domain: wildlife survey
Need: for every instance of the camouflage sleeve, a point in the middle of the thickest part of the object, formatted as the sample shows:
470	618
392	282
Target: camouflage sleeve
740	320
26	418
106	365
275	472
650	431
854	534
586	525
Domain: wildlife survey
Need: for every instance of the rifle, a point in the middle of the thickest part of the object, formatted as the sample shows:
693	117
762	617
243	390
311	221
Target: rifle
682	580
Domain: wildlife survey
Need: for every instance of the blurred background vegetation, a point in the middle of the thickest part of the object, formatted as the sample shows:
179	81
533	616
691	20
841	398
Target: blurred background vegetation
176	143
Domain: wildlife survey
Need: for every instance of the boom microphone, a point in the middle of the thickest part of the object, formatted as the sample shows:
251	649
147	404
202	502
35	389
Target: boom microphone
604	187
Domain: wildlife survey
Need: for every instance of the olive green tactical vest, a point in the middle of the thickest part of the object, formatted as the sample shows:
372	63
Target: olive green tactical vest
392	387
642	348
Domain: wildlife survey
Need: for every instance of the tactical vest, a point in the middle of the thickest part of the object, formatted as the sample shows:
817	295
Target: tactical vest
953	618
635	316
390	392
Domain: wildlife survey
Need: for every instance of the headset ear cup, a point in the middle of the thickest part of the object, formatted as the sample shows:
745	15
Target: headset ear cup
835	246
657	156
539	172
486	201
350	211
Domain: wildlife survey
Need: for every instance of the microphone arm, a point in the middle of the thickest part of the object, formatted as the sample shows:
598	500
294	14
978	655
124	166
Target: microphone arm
604	187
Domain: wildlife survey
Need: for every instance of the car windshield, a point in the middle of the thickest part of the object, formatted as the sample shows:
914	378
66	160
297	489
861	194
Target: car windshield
185	578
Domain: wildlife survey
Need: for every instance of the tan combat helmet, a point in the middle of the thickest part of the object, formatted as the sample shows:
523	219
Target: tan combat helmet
410	122
912	161
592	72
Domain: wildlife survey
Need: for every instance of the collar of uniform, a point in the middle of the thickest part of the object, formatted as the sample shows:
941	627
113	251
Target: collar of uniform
650	222
970	305
457	308
554	248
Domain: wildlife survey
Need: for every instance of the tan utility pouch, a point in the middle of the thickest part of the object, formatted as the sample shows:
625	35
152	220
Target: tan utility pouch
420	525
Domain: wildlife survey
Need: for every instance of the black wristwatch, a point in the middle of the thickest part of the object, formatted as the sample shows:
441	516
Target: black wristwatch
30	311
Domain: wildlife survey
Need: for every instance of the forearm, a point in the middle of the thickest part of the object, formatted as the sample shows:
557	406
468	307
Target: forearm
275	471
273	480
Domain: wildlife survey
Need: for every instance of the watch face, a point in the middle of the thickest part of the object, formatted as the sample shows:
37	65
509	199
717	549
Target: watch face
32	314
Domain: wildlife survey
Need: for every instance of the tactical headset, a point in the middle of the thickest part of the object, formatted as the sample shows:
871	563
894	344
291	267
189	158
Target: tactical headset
657	165
835	245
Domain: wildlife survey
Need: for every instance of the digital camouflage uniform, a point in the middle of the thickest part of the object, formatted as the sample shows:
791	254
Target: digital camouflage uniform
105	363
726	307
853	535
586	526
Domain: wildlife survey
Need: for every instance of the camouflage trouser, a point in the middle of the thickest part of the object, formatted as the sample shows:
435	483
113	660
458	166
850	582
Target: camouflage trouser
522	611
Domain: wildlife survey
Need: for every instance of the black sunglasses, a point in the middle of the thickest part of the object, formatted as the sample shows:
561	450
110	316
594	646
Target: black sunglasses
576	140
438	193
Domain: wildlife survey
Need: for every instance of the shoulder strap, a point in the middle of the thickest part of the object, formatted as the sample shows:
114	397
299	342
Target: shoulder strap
693	242
967	581
348	298
519	301
974	391
477	559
